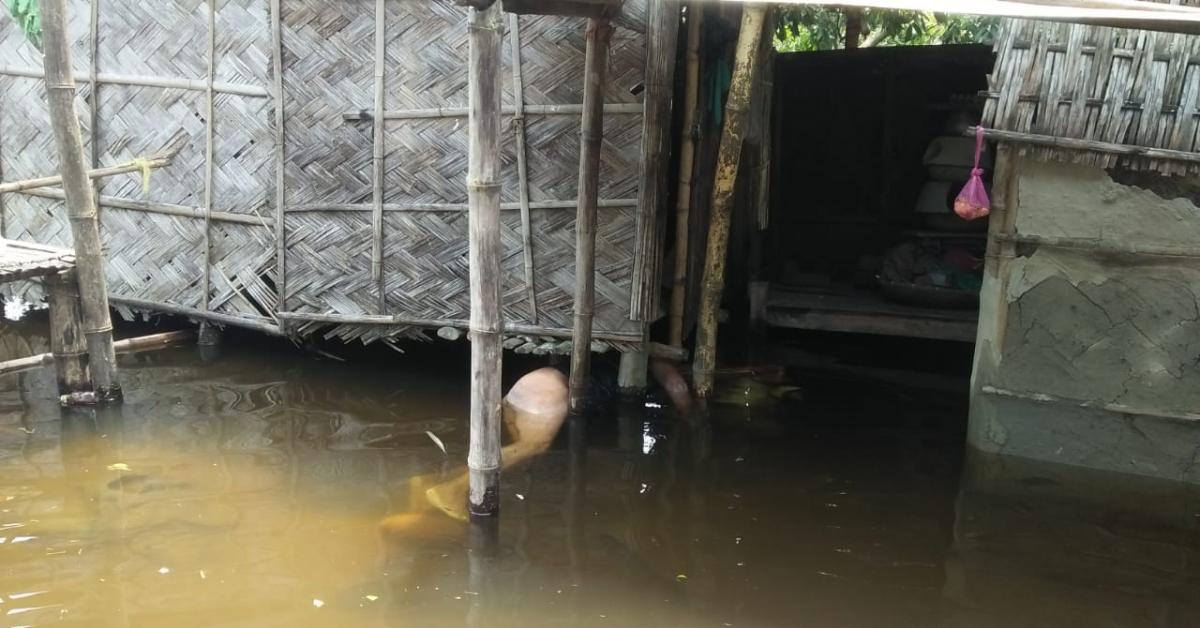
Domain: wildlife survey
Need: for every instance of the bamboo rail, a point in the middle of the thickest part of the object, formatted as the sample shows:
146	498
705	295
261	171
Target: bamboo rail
129	345
617	203
263	326
166	209
95	173
195	85
1050	141
461	112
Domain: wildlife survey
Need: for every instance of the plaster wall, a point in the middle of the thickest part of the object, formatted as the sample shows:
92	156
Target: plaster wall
1089	352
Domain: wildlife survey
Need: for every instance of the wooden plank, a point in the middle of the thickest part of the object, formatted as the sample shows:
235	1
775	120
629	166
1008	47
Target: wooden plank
514	37
875	324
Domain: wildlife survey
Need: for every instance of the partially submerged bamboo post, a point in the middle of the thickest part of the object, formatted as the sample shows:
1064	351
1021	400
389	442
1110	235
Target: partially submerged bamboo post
486	26
599	31
687	160
67	344
736	110
81	204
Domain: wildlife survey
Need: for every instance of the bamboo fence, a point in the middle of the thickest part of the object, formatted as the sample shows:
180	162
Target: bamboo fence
330	197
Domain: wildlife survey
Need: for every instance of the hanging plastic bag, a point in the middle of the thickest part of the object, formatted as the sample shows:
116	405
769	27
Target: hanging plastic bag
972	202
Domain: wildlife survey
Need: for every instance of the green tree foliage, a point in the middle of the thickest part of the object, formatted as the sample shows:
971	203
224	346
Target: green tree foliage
814	28
26	14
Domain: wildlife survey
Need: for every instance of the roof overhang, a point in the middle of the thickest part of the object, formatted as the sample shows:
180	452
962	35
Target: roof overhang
1121	13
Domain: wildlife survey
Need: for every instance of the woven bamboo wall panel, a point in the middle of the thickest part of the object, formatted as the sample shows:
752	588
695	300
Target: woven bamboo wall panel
243	273
1118	86
328	70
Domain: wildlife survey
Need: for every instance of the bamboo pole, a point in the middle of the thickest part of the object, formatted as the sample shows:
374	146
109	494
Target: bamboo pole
166	209
81	206
129	345
67	345
514	35
377	156
94	97
209	159
736	109
149	163
461	112
599	31
687	160
486	27
140	80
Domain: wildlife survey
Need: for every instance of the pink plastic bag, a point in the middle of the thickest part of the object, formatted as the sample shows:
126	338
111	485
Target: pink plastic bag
972	202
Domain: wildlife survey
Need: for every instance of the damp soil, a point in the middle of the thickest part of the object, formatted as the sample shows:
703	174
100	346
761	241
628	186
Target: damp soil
248	488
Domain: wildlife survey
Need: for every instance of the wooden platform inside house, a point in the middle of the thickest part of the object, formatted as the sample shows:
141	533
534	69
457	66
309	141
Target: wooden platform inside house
865	312
26	260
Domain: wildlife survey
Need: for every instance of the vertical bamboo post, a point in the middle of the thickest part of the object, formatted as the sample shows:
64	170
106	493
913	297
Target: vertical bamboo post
483	195
94	100
377	157
728	156
66	333
599	31
518	83
687	160
209	160
81	206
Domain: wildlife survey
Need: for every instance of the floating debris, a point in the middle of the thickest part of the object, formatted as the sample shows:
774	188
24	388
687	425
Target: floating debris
318	603
436	441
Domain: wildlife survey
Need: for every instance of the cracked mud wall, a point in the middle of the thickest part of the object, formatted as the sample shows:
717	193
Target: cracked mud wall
1092	329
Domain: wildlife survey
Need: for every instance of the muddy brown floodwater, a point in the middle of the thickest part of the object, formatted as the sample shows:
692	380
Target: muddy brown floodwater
248	490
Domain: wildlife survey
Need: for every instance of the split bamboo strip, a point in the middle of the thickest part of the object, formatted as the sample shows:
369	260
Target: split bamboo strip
514	37
81	207
3	205
167	209
617	203
486	30
195	85
377	157
280	190
663	28
461	112
1051	141
728	157
149	163
94	98
599	32
209	160
687	160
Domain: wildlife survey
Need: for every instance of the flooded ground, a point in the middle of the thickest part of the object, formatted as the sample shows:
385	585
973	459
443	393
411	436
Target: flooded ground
247	489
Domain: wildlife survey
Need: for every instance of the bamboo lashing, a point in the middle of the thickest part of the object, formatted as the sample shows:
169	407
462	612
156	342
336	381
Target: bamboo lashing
141	165
599	31
687	158
486	30
377	156
745	68
81	206
514	37
209	160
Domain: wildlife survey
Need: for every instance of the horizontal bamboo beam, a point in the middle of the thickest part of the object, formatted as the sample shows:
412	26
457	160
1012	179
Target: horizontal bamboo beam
1067	143
509	327
167	209
461	112
260	325
1094	405
129	345
195	85
149	163
448	207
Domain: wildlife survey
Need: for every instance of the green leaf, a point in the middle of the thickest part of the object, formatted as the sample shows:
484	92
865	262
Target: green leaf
26	14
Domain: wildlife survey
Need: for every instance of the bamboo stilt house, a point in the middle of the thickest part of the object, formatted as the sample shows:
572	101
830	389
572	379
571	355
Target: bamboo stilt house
321	183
